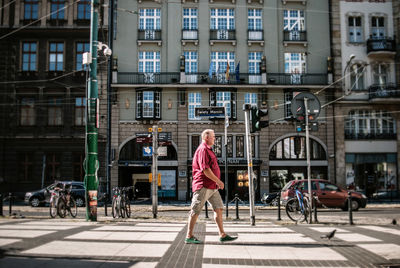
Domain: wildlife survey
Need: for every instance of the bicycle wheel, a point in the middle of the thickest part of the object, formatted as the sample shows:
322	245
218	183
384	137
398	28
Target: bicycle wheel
53	207
115	208
61	208
73	209
122	207
293	210
128	208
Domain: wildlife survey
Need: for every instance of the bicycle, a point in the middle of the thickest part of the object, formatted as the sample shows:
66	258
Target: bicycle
298	207
65	204
121	205
53	203
116	203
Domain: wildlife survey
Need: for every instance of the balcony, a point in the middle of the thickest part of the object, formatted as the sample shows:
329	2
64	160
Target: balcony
295	37
190	35
385	93
381	47
222	35
242	79
349	135
148	78
294	1
255	36
149	36
297	79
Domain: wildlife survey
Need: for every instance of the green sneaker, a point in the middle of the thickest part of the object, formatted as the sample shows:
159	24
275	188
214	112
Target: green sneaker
227	238
192	240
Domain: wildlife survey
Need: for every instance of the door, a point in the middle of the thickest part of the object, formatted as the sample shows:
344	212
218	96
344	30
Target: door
331	195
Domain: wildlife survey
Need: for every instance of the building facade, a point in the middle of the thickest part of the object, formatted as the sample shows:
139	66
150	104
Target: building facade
42	89
367	107
173	56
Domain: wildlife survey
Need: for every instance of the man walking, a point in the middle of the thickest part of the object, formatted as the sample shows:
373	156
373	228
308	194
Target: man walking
206	182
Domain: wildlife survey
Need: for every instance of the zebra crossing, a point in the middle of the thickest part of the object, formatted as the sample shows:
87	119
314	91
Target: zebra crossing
151	244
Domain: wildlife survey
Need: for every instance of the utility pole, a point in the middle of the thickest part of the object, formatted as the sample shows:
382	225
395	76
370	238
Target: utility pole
226	162
247	108
91	160
308	159
154	171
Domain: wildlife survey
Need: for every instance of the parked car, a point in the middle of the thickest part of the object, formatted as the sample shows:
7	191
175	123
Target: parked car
269	199
41	197
391	194
329	194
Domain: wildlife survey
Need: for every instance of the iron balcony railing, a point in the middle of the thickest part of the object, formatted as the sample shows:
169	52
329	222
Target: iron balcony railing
385	135
299	36
383	44
384	91
222	78
149	35
297	79
222	34
148	78
255	35
190	34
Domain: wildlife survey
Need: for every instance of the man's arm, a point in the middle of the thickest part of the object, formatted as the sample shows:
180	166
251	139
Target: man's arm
208	172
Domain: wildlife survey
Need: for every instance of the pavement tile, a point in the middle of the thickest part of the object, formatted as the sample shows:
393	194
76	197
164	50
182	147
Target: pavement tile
23	233
354	237
6	241
388	251
252	229
292	238
328	229
37	227
382	229
159	228
124	236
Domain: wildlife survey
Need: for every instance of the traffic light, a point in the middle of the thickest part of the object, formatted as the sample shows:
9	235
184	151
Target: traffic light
256	115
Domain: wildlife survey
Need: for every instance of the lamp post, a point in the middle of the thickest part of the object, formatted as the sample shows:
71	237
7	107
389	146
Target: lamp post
347	91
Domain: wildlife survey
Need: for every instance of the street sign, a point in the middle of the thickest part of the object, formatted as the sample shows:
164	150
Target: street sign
298	109
143	138
147	151
163	151
165	136
213	111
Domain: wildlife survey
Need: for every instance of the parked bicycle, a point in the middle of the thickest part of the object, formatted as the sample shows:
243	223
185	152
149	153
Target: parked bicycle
121	205
298	207
54	195
66	203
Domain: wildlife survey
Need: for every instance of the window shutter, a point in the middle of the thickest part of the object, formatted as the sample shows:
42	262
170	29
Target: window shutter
213	98
157	104
233	105
139	106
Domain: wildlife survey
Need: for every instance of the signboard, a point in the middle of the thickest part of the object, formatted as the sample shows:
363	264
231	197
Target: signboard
147	151
143	138
298	109
165	136
213	111
162	151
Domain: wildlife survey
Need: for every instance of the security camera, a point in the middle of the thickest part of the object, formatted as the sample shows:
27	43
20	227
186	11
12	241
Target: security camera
107	52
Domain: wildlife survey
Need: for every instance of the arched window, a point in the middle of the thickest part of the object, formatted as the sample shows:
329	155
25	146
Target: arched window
133	151
364	124
294	148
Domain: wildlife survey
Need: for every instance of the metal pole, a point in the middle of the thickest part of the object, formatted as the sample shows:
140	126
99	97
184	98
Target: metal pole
308	159
1	204
43	168
350	208
9	204
237	206
206	206
279	206
91	159
249	166
226	163
155	171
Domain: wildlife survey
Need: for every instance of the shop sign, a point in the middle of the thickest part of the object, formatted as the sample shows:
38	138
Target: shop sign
162	151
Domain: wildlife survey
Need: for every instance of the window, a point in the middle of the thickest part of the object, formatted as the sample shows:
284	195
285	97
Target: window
217	147
378	28
380	74
240	146
29	56
54	112
57	11
84	10
53	167
229	147
355	30
25	162
31	9
328	187
148	104
295	64
79	172
150	19
195	143
56	57
363	124
28	115
357	77
194	101
190	61
285	149
220	60
250	98
254	62
149	62
224	99
288	104
221	98
190	19
81	47
254	19
222	19
80	115
293	21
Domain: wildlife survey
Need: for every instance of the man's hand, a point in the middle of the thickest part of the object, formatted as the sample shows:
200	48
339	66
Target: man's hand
220	184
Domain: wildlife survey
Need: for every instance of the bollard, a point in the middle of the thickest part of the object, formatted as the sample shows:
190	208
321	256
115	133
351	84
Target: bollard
10	203
206	210
237	206
349	201
105	204
1	205
279	206
315	208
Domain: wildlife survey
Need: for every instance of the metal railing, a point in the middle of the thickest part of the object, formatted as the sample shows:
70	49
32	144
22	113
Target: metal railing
369	136
221	78
383	91
255	35
299	36
297	79
383	44
222	34
148	78
189	34
149	35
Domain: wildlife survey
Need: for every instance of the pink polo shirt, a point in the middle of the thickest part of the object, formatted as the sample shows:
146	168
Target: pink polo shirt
204	158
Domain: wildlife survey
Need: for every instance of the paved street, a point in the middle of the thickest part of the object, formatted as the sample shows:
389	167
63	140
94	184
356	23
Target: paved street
146	242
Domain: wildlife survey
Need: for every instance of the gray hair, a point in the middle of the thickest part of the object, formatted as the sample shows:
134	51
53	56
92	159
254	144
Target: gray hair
206	133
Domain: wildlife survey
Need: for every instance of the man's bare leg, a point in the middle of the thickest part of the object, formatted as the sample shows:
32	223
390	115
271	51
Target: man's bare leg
219	221
191	223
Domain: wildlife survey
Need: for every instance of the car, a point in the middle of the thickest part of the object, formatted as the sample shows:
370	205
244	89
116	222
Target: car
269	199
329	195
390	194
41	197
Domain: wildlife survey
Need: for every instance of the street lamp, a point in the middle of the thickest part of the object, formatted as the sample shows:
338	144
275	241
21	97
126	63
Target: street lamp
347	91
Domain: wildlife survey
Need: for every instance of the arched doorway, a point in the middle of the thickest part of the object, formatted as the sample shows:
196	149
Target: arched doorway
288	160
135	163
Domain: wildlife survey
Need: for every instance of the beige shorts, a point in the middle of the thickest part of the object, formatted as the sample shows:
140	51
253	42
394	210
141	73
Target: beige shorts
200	197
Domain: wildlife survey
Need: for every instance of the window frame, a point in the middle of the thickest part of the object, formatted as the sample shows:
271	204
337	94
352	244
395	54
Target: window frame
254	20
79	66
80	111
191	61
155	104
56	5
85	13
155	60
254	62
216	19
355	29
144	19
30	54
55	112
56	53
33	11
190	20
29	110
376	31
297	23
194	100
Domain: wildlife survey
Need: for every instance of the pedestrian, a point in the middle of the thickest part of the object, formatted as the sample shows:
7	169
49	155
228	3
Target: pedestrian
206	182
